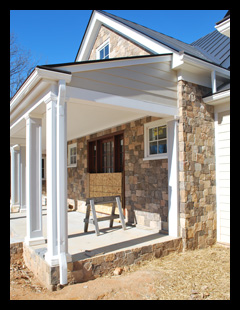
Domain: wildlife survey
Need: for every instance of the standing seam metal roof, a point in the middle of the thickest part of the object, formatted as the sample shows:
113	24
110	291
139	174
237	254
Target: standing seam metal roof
216	46
213	47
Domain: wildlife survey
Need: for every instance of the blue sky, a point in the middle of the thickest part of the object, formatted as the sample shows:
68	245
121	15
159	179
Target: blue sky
54	36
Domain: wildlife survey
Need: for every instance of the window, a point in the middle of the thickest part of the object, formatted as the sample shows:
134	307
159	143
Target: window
72	155
103	50
105	155
155	140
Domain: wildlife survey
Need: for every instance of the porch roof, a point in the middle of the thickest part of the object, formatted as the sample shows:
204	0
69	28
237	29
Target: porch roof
100	94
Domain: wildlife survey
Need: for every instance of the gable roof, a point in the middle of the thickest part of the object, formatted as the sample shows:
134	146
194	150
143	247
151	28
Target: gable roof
169	42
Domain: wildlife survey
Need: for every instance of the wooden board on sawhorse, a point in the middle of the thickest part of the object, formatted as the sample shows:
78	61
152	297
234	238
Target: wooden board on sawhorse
91	202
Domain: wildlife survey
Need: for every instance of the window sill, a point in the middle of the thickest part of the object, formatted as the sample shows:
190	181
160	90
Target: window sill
163	156
72	166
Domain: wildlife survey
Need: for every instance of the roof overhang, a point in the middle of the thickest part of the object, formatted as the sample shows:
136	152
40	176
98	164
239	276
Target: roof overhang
34	85
97	19
218	98
224	27
198	71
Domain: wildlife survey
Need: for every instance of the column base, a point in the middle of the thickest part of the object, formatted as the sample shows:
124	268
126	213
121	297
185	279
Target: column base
34	241
54	260
15	208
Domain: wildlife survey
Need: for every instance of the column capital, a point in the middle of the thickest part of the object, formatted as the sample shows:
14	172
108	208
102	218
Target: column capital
33	115
51	97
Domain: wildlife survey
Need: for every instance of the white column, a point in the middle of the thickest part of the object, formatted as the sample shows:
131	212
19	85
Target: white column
34	181
62	182
23	177
52	253
15	178
214	82
173	193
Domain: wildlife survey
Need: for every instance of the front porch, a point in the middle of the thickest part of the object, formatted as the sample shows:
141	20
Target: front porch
57	106
92	256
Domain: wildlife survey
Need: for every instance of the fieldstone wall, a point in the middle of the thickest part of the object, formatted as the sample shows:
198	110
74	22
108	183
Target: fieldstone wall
197	180
119	46
146	182
96	266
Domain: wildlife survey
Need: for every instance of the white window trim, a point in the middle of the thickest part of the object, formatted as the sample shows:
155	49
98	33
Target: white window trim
70	146
107	42
147	126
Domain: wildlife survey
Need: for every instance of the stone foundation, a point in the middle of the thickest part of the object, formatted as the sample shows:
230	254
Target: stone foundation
101	265
16	251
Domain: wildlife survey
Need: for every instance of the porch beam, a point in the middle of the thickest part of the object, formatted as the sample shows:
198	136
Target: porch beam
75	94
34	181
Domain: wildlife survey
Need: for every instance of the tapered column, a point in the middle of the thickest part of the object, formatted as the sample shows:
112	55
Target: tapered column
173	198
52	252
34	181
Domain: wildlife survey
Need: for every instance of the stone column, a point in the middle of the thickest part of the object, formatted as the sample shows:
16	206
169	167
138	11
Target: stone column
34	181
196	167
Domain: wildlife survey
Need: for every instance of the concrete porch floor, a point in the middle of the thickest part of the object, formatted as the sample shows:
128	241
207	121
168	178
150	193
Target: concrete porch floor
92	256
84	245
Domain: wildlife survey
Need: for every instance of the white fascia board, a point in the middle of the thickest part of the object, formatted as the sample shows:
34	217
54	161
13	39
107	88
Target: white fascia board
179	61
98	19
36	76
74	94
206	65
217	98
106	64
224	27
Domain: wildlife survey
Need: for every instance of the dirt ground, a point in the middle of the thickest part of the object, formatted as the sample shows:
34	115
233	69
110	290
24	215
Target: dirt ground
200	274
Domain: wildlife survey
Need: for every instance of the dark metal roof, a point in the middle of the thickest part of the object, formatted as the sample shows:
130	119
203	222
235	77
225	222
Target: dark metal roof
171	42
215	46
227	16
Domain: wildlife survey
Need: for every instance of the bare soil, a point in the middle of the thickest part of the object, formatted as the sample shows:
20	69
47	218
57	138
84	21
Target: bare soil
191	275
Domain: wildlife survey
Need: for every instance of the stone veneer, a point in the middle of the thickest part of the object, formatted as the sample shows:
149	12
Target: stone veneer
197	180
146	182
119	46
103	264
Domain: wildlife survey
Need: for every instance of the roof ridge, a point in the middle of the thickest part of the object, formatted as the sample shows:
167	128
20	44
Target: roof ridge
118	17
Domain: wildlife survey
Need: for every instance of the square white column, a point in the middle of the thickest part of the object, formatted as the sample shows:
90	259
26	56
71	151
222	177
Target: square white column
52	242
34	181
15	178
23	178
173	192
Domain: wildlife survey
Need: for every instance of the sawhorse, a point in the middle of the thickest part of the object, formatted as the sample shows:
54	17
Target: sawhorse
91	202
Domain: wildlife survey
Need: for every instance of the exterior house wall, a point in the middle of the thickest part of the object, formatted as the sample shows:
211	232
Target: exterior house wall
119	46
197	179
146	182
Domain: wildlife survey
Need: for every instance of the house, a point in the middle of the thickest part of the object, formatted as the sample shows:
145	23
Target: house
137	114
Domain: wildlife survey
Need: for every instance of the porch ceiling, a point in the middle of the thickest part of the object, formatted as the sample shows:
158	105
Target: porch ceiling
102	95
